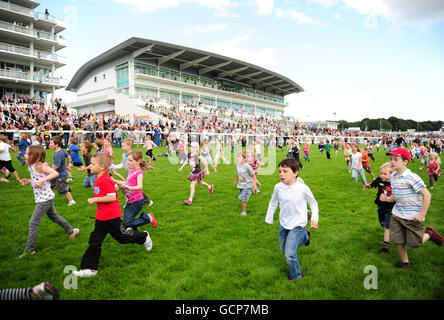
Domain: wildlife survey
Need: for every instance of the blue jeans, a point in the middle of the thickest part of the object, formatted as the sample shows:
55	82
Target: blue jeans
89	181
131	210
21	157
290	241
361	174
118	142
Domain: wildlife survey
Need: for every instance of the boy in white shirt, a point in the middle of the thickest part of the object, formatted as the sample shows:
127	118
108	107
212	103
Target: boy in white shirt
292	198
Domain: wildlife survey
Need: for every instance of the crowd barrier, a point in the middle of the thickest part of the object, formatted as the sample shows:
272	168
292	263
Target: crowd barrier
139	137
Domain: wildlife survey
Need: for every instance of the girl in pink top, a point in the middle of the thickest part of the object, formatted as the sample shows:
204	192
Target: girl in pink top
306	152
133	192
149	145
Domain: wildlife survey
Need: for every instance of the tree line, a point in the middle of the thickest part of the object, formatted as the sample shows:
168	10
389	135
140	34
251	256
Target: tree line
392	124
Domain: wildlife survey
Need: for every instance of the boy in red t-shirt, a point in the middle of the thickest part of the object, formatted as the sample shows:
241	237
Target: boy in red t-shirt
108	218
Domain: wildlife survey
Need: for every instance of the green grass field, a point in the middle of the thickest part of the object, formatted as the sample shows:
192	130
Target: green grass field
209	251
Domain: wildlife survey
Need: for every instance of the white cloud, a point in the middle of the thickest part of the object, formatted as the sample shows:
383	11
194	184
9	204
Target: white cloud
146	6
419	13
264	7
190	30
297	16
242	48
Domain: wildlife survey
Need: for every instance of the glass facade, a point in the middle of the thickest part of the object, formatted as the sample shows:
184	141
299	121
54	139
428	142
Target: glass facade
122	76
141	68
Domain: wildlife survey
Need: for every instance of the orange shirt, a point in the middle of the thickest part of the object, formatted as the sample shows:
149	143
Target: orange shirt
365	161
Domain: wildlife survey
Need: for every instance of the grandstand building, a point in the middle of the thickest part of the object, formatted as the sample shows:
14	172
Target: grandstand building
139	71
29	42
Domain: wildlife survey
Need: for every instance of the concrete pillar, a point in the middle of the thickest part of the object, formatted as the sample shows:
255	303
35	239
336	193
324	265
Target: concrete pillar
131	79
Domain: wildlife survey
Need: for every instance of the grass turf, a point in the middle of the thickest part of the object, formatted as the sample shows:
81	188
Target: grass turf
209	251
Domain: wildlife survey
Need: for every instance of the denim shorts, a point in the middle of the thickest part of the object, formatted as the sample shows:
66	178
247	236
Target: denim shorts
244	194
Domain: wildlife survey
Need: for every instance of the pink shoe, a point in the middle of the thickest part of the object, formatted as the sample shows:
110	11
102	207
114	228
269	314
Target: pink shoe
153	221
211	189
188	202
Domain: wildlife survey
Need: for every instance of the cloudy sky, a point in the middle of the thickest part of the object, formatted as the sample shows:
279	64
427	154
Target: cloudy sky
353	58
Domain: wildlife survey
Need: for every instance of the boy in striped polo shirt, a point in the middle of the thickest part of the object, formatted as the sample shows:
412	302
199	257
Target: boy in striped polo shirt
412	202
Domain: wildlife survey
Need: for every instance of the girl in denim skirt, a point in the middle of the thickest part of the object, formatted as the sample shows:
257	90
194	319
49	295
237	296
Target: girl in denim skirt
197	174
132	187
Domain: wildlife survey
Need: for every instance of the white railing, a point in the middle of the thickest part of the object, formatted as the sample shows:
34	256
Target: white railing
22	75
31	12
35	53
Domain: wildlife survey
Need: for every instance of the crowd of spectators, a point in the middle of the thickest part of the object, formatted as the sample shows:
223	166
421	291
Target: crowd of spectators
167	116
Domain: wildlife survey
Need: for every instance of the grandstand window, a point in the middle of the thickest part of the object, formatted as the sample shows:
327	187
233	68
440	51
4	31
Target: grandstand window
146	91
208	101
236	106
122	77
189	98
249	108
169	95
223	104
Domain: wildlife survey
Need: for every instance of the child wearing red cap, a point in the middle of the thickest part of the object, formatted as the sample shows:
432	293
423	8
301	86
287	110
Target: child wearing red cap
412	200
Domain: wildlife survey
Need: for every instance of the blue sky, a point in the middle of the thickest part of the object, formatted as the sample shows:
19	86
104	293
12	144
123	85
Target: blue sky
354	58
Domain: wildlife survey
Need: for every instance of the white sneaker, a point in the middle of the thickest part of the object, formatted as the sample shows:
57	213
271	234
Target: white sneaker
243	213
71	203
84	273
148	243
151	203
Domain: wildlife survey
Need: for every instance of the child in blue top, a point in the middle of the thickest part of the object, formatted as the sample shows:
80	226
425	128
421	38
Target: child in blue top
22	146
59	165
75	157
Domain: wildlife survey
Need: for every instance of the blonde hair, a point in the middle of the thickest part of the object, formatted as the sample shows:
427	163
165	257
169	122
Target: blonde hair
128	142
435	155
103	159
387	166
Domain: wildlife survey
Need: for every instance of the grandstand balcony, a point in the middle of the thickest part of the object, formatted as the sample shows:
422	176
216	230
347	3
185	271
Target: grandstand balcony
12	32
25	54
205	86
26	77
24	13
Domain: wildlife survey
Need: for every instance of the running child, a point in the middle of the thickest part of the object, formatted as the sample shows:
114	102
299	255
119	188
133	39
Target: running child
5	160
127	145
412	201
41	175
182	151
132	188
306	152
76	161
384	207
85	149
370	150
433	168
244	180
108	148
59	164
347	156
197	174
292	198
108	218
356	160
366	162
328	147
424	156
255	165
149	144
206	154
22	146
